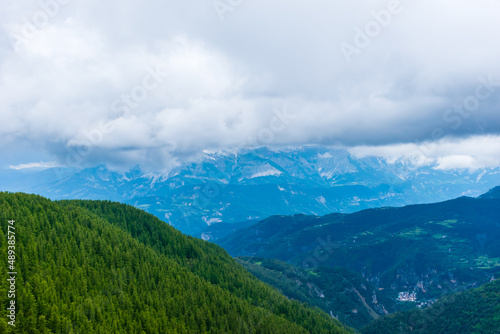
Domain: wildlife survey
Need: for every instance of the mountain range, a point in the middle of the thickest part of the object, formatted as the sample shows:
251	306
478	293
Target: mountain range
252	184
415	253
100	266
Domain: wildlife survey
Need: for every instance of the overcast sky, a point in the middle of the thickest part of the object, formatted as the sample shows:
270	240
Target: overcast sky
156	82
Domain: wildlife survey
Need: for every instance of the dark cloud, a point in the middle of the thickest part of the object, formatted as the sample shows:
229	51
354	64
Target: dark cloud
155	83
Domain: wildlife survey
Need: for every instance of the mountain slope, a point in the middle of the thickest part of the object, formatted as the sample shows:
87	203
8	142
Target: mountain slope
220	230
472	311
342	293
102	267
430	249
233	187
493	193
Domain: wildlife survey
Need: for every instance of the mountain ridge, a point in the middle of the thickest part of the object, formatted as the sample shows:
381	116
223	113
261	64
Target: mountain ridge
492	193
253	184
429	248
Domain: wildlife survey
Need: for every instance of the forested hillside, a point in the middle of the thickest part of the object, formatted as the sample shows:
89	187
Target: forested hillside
472	311
103	267
344	294
432	249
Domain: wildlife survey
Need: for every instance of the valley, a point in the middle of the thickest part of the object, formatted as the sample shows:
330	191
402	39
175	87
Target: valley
430	250
374	257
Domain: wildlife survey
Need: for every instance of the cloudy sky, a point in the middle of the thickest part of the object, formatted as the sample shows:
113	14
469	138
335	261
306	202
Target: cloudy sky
157	82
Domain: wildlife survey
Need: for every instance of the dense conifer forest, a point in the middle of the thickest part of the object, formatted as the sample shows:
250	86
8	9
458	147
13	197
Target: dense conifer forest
104	267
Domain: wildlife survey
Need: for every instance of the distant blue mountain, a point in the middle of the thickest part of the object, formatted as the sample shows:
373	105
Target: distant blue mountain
429	249
493	193
254	184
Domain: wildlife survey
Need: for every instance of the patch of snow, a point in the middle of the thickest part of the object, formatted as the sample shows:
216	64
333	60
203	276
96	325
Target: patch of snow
211	220
480	176
321	200
269	172
327	155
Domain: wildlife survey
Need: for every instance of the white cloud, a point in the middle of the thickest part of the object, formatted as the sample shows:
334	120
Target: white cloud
71	78
457	161
43	165
473	153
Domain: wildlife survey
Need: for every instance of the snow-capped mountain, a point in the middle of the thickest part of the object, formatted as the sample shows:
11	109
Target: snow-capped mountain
254	184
